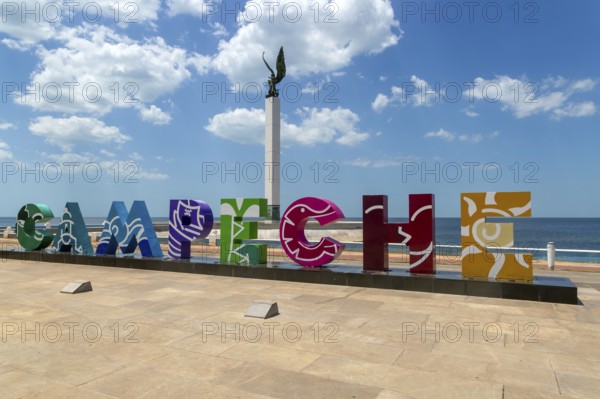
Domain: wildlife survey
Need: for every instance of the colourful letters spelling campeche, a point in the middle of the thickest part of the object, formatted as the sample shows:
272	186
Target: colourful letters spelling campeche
128	230
418	233
291	232
188	220
27	235
477	235
234	230
72	235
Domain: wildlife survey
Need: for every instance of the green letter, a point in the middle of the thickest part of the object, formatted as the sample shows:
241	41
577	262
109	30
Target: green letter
234	230
30	238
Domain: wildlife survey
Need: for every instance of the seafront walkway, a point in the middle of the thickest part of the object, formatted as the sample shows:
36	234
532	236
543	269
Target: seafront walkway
147	334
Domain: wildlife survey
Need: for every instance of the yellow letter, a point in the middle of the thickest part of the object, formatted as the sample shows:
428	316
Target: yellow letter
476	235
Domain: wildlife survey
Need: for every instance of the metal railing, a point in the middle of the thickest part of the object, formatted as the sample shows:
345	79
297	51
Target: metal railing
550	248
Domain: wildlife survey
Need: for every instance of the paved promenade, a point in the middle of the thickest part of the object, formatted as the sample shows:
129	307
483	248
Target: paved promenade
145	334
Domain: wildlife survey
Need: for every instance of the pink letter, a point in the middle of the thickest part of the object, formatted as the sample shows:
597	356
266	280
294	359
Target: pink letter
291	232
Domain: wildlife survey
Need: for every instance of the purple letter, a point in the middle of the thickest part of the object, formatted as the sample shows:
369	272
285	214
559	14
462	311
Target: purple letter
188	220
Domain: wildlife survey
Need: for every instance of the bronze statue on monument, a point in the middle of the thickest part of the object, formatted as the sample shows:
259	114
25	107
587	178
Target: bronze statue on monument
274	80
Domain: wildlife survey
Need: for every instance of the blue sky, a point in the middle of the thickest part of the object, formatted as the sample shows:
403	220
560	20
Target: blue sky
381	97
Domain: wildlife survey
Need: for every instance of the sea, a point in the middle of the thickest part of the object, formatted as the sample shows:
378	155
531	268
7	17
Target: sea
581	234
567	234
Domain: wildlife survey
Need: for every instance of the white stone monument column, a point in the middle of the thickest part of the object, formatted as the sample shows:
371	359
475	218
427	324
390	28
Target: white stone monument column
272	156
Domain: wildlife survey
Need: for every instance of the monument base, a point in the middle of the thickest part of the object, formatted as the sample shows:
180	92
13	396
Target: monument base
541	289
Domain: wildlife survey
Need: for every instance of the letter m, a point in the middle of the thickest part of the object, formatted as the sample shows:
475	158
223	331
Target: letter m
128	231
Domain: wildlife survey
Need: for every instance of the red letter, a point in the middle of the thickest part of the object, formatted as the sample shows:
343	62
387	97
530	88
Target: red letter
418	233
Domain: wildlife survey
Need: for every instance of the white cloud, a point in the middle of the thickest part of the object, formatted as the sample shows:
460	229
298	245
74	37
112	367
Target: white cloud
553	83
421	93
136	157
23	27
470	112
143	175
78	159
246	126
123	169
583	85
380	102
386	162
360	162
128	13
317	126
155	115
33	21
447	136
417	92
106	70
312	47
219	30
129	170
201	63
352	138
67	132
192	7
587	108
5	151
108	154
6	126
441	134
17	45
324	125
524	99
474	138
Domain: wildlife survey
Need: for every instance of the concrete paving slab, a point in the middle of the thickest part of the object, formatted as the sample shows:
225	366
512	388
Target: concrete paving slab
148	334
577	385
